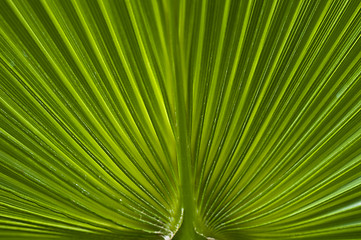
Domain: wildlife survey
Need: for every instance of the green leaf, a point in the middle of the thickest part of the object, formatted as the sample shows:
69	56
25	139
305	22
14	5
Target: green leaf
192	119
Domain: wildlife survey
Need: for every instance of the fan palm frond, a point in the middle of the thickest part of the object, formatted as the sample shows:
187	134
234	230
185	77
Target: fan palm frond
180	119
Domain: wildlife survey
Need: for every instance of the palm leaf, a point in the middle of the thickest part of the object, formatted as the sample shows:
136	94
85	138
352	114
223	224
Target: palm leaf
180	119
